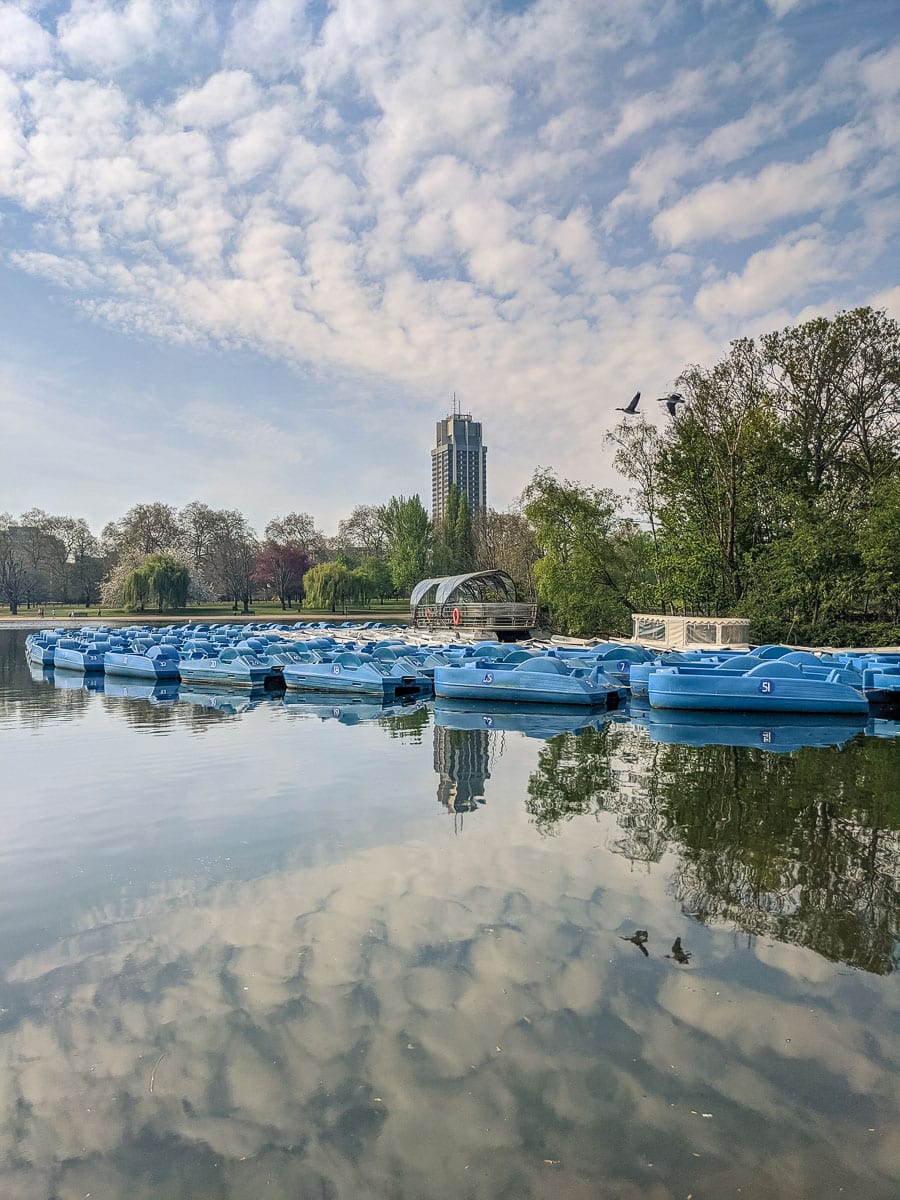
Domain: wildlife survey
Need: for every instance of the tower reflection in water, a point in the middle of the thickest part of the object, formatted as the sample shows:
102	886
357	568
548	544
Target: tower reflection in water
462	763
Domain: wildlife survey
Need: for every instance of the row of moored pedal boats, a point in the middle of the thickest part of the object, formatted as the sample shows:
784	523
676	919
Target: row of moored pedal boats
774	732
374	661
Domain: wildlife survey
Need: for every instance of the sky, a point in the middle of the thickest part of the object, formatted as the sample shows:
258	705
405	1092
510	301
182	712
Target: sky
250	250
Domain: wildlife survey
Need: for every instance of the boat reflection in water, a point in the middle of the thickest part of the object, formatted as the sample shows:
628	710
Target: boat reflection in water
72	681
780	733
349	710
135	689
533	720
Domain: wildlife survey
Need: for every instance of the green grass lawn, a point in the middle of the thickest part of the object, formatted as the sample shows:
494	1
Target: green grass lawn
391	610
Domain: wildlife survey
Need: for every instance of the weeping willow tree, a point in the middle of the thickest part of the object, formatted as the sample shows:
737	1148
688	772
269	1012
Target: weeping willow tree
159	575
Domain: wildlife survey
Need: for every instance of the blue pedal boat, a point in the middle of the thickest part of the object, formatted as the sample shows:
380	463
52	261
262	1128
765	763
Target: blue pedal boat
72	655
352	673
536	681
154	663
774	686
40	647
233	667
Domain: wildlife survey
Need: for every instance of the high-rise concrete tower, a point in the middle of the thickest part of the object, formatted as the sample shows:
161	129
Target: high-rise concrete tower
458	460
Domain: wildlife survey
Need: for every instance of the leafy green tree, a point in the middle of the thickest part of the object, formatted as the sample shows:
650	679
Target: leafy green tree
409	540
378	575
506	540
328	586
162	576
836	385
454	541
879	543
581	576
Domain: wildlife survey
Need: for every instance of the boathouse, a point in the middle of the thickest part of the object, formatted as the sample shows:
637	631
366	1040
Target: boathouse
690	633
479	602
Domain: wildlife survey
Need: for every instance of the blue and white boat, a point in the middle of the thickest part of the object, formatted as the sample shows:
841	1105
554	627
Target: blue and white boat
773	686
154	663
40	647
233	667
70	654
353	673
542	680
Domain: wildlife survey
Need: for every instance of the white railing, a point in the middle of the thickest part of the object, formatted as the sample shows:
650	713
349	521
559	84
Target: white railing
503	615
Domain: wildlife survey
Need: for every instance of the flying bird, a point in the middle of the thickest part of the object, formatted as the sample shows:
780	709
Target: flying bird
679	954
639	937
631	408
671	402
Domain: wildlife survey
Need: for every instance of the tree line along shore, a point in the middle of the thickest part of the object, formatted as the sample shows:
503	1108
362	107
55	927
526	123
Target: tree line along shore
773	493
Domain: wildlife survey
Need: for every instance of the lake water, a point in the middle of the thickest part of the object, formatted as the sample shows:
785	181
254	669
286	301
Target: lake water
280	949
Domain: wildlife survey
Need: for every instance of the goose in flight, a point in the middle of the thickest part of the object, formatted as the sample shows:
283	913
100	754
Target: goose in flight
671	402
631	408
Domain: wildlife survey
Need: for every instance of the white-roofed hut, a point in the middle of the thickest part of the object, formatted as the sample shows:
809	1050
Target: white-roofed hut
690	633
478	602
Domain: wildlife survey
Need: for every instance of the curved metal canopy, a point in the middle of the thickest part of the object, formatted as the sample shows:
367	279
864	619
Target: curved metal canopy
422	587
473	582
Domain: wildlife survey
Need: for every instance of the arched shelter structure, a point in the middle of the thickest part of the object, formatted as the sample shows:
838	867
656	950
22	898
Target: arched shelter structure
479	601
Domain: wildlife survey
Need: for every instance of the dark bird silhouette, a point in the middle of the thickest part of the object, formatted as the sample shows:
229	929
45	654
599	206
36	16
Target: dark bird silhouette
671	402
631	407
639	937
680	956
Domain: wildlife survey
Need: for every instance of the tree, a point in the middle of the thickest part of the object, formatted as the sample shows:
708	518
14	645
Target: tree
13	568
361	534
378	574
836	384
580	576
282	568
879	543
718	470
409	541
328	586
145	528
232	558
168	580
637	457
198	526
454	541
506	540
159	575
300	531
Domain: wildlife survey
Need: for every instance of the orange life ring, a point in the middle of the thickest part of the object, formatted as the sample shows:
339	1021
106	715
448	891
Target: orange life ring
455	615
427	614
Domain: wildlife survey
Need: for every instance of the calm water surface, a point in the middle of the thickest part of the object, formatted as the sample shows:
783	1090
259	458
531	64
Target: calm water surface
289	949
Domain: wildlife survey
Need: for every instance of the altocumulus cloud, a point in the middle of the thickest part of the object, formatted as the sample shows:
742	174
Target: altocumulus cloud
436	197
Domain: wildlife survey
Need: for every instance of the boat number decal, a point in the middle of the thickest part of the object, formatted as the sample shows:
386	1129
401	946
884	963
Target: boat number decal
767	737
765	686
622	666
335	712
489	722
489	678
336	669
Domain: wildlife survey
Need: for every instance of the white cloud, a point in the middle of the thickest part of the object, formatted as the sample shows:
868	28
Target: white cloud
440	197
744	205
780	272
223	98
25	45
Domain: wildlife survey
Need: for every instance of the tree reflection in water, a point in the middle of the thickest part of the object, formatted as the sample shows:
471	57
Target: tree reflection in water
803	847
